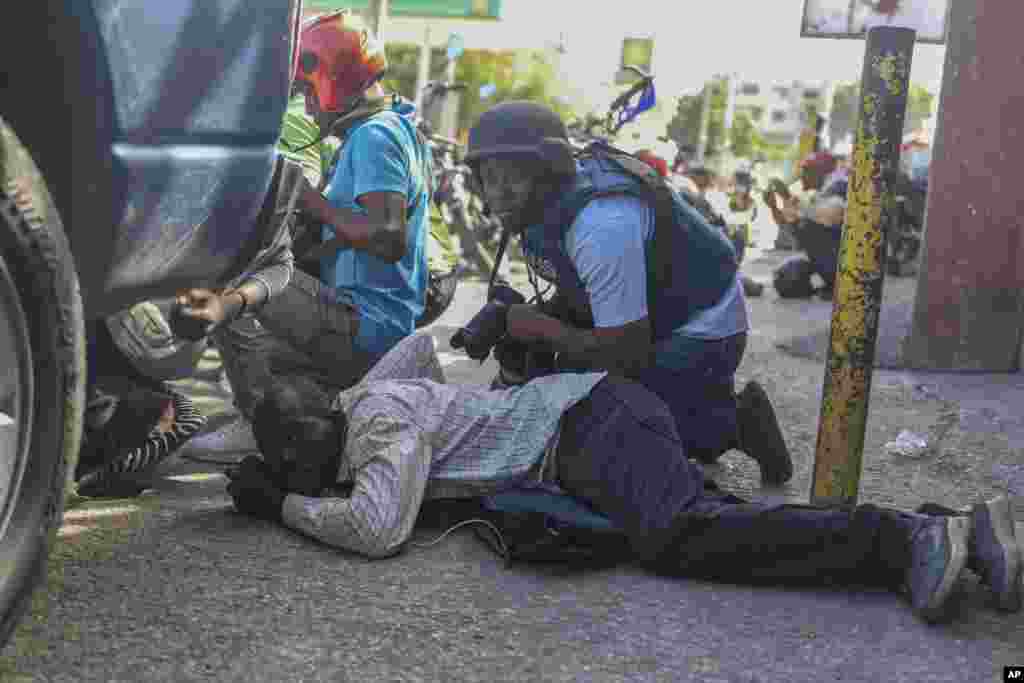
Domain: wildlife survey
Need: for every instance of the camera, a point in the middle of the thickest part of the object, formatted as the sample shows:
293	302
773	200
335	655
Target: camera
487	331
489	326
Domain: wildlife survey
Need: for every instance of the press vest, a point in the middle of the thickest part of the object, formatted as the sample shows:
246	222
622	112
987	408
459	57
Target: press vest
690	263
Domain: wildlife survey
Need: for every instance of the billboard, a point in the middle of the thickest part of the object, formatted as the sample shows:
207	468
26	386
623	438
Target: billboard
430	9
853	18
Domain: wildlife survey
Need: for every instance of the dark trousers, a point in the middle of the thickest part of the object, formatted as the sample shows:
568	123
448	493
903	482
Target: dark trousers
821	244
696	380
619	450
304	333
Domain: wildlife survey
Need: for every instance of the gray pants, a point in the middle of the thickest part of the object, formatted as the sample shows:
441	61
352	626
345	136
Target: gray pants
304	333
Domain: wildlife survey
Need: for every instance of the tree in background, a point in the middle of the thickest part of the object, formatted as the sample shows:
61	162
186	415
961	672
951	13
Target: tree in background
685	125
684	128
843	122
745	140
920	107
526	75
403	68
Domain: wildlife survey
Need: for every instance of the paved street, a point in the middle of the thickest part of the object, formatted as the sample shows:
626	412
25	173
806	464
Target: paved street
176	586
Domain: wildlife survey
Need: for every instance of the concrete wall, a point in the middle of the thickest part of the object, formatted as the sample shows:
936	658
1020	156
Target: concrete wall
969	312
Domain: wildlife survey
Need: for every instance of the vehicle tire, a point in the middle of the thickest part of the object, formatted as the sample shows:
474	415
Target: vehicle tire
440	294
42	393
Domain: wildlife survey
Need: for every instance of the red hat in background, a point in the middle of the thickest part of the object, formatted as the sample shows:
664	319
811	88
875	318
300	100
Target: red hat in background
654	161
822	162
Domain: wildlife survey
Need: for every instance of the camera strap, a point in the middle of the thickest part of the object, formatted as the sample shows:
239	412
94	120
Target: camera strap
506	235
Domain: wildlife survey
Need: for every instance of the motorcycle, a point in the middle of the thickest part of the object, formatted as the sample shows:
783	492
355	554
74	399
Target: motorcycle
456	194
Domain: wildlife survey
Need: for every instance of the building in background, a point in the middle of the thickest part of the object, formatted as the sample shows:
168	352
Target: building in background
779	110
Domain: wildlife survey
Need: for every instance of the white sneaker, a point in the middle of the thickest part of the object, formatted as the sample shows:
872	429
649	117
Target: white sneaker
227	444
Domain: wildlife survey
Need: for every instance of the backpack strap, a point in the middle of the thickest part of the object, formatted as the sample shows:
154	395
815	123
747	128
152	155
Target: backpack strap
659	195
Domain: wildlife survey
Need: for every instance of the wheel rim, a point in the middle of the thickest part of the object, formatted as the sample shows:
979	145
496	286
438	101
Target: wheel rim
16	394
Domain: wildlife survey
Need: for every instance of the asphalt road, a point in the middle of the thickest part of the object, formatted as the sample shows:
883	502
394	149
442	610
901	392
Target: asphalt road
176	586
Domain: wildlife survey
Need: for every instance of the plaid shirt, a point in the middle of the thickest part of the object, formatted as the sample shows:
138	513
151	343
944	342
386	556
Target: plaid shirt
412	437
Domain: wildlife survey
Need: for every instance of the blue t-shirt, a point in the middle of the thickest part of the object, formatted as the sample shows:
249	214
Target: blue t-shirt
382	155
607	245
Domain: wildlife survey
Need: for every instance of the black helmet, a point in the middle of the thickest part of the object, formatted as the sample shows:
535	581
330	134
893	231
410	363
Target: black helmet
522	128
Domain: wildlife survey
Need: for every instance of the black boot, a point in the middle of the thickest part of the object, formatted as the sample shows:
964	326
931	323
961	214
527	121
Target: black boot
760	436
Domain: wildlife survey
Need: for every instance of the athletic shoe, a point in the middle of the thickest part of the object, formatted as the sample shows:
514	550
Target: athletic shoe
994	551
229	443
938	551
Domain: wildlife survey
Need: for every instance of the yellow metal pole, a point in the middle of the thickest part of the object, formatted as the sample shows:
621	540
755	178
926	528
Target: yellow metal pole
857	297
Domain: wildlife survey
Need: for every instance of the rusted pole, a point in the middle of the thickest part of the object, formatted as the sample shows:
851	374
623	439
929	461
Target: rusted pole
858	289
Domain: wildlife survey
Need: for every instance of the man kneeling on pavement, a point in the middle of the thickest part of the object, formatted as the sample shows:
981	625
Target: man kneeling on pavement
355	473
645	286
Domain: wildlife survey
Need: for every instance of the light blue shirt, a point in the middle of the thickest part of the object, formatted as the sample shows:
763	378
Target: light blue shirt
607	245
382	155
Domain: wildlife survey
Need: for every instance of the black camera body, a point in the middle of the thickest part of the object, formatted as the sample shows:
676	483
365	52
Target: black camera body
490	325
487	331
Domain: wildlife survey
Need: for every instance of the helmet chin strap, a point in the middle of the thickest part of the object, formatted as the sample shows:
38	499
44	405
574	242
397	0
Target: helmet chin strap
545	187
360	105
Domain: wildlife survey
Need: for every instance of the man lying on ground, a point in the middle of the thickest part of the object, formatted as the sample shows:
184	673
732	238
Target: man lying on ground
354	476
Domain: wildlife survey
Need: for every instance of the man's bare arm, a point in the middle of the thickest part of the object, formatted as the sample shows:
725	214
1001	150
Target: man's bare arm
623	350
380	231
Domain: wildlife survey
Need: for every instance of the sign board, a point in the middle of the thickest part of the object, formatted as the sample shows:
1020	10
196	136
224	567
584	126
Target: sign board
635	52
424	9
853	18
455	47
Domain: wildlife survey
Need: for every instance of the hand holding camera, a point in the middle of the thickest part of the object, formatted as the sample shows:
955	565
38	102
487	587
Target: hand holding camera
489	326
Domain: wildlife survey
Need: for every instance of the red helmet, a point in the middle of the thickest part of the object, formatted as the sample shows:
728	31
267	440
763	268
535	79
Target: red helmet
338	59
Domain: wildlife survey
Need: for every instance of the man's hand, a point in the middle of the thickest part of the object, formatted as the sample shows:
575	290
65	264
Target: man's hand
254	490
526	323
198	312
487	328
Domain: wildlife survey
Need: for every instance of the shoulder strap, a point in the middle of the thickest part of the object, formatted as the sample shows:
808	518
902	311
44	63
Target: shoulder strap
665	240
